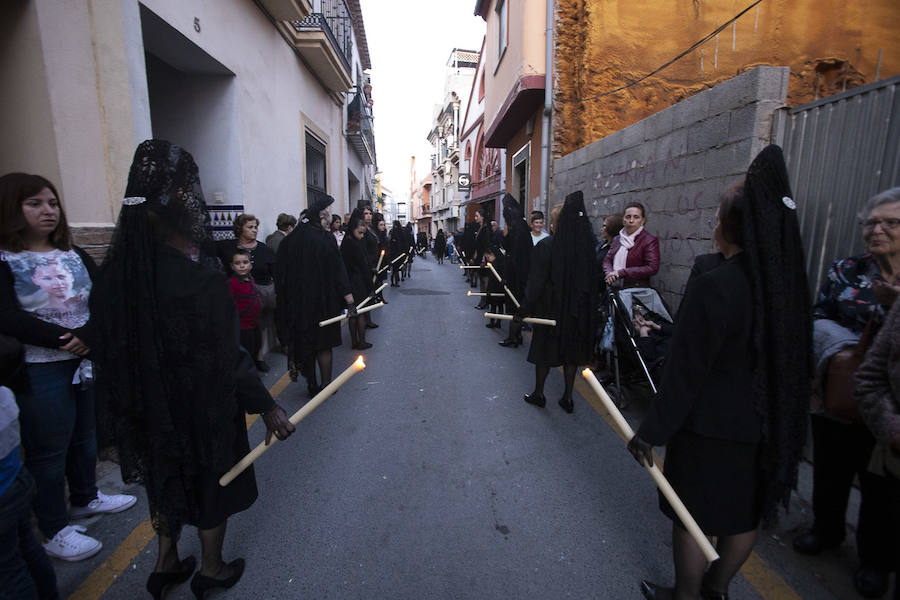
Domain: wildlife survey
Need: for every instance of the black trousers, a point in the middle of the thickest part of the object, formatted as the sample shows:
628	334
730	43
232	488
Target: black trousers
841	451
251	340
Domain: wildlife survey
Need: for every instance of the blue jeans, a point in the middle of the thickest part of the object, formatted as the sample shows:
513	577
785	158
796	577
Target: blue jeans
25	569
59	438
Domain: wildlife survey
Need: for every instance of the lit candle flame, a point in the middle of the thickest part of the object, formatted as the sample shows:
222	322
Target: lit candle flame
359	363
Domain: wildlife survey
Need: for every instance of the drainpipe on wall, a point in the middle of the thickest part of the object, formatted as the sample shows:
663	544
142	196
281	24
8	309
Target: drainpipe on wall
548	106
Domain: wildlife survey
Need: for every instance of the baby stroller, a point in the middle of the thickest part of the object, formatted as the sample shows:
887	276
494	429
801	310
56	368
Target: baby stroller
633	362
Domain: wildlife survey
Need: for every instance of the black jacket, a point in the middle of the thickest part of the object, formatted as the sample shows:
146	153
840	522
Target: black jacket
707	383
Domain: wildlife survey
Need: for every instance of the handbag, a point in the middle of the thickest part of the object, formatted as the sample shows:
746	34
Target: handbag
839	399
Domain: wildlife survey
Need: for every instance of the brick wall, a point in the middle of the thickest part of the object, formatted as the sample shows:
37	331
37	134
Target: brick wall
676	162
93	240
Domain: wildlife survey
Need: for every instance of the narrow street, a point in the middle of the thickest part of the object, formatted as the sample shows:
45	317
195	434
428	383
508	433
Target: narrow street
426	476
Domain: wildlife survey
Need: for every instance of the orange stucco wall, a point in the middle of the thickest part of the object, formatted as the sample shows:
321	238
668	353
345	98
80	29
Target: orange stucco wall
604	44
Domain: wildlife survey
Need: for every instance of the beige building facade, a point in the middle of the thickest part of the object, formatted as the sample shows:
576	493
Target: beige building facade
271	98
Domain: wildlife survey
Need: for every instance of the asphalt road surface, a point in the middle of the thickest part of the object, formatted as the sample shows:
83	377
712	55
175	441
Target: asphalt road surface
427	476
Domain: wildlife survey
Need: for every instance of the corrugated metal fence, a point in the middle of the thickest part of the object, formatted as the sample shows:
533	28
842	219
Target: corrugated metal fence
840	151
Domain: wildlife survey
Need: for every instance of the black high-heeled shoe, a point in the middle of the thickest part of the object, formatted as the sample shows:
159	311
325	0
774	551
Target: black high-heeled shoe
536	399
510	342
159	582
201	584
567	404
652	591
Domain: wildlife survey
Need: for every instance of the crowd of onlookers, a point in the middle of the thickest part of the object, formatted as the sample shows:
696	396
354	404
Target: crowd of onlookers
47	396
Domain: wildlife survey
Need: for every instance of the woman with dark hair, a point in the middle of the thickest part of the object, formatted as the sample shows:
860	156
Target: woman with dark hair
440	246
380	228
409	241
482	245
518	246
561	286
45	282
176	383
336	229
396	243
313	283
633	256
353	251
246	227
731	408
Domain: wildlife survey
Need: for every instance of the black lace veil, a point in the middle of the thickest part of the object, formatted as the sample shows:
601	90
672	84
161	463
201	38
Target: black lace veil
573	257
782	321
154	352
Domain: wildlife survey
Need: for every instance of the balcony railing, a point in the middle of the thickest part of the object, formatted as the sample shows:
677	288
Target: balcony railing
333	18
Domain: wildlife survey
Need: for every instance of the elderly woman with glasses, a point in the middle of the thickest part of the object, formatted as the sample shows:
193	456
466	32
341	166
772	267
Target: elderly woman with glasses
851	305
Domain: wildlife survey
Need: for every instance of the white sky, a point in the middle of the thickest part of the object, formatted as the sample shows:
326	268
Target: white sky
409	44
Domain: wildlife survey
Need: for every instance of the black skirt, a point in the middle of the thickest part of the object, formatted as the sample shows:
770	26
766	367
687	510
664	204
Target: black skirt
717	480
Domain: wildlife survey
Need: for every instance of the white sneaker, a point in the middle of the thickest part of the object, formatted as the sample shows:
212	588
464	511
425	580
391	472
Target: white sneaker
103	504
69	544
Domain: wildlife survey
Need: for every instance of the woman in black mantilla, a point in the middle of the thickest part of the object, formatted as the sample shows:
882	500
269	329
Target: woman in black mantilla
735	389
562	286
312	286
380	228
353	251
396	242
518	246
173	380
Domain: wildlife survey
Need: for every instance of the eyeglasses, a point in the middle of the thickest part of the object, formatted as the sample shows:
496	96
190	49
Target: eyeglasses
886	224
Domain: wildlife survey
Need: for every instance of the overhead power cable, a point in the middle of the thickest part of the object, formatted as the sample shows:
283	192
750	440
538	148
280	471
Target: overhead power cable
668	64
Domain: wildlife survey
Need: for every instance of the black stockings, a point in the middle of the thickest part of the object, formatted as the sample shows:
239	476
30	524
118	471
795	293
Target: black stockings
357	330
211	549
323	357
690	563
167	559
569	371
733	553
540	376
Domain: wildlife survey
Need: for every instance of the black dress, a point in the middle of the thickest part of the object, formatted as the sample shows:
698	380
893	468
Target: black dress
573	308
185	426
705	411
311	282
353	252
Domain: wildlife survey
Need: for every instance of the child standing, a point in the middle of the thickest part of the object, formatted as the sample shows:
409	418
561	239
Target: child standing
248	301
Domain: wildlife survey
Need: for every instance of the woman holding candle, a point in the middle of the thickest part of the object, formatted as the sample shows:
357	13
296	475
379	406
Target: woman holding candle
561	286
176	383
353	251
735	388
313	285
518	246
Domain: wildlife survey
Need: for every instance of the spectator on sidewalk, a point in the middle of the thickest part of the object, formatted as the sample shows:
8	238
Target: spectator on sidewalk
45	282
285	224
633	256
537	227
851	305
246	227
26	572
878	391
247	299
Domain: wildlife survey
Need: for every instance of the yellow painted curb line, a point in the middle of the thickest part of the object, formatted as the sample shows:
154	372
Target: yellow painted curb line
105	575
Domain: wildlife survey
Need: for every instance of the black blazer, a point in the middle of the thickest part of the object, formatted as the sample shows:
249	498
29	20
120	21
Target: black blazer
707	383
